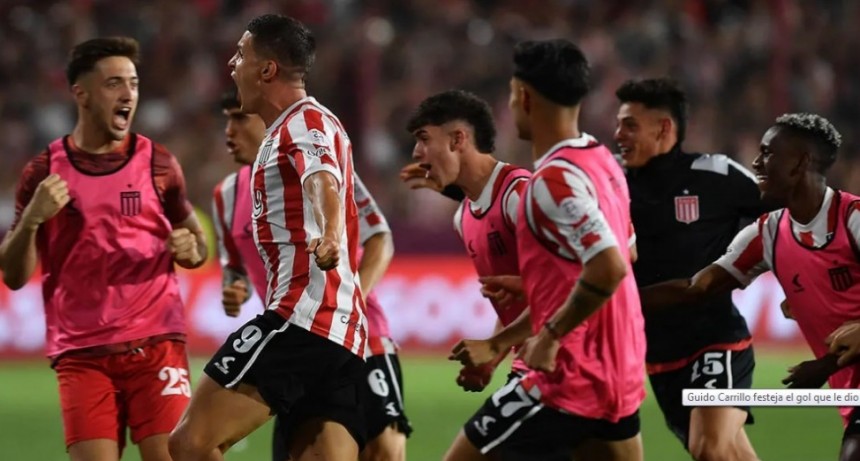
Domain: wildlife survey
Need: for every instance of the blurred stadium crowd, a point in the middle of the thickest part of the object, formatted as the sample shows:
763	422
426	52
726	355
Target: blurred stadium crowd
742	62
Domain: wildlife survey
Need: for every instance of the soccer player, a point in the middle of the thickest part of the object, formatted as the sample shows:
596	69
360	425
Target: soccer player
387	424
810	245
686	208
304	356
103	210
573	235
454	140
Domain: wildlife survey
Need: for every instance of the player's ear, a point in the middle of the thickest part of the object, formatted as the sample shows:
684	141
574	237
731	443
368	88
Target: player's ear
665	127
803	163
526	98
80	94
269	70
458	138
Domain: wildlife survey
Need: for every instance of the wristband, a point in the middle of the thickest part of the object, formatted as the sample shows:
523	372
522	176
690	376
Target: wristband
553	332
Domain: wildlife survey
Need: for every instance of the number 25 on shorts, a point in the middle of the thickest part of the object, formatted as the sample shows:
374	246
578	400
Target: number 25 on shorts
176	381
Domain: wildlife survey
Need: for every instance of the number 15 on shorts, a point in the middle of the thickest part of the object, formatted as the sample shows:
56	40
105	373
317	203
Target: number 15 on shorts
709	368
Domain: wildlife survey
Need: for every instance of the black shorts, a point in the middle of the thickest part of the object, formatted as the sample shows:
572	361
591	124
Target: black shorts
515	426
382	403
853	427
716	369
383	398
299	374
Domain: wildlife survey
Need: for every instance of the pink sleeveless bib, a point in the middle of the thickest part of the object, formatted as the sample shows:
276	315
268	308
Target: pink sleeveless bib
821	285
491	242
107	275
600	367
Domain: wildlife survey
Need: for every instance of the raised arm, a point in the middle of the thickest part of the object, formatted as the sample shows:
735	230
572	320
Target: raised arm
375	238
322	188
235	286
36	204
187	242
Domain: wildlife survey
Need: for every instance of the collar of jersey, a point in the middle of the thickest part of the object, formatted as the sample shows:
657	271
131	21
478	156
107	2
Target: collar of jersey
287	112
583	140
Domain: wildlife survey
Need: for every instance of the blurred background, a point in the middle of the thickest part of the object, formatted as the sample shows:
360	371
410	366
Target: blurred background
742	62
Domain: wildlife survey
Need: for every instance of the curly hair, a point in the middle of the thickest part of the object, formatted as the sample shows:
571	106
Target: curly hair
818	132
460	105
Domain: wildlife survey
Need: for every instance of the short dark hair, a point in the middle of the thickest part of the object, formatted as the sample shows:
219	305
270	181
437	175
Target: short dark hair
283	39
658	93
557	69
454	105
230	100
818	132
84	56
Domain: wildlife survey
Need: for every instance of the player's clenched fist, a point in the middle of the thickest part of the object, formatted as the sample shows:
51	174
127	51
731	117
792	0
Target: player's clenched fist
233	296
539	352
183	246
326	251
474	352
475	379
51	195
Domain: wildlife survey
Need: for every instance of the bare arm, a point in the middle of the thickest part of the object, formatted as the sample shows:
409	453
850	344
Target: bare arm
709	281
322	189
18	255
600	277
378	251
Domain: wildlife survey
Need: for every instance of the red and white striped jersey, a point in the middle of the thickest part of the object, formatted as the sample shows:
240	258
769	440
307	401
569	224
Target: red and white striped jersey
307	139
751	252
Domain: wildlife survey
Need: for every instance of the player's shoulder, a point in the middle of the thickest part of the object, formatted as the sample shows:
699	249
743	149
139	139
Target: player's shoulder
160	152
719	164
310	124
768	222
227	184
38	167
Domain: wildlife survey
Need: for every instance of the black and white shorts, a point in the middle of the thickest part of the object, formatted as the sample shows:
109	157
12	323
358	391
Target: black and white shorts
715	369
853	427
514	425
298	373
382	402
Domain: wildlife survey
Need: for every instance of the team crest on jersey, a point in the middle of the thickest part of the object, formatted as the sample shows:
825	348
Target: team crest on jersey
129	203
265	152
840	278
687	209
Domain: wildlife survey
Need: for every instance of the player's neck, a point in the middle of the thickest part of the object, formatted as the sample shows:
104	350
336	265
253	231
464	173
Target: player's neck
807	199
278	102
88	138
475	173
553	125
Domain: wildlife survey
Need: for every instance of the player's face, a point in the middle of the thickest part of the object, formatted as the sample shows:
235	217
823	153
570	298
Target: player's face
246	68
435	151
638	133
779	166
108	95
519	105
244	133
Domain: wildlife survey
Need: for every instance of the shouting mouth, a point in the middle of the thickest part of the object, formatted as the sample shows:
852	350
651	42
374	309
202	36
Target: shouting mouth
121	118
